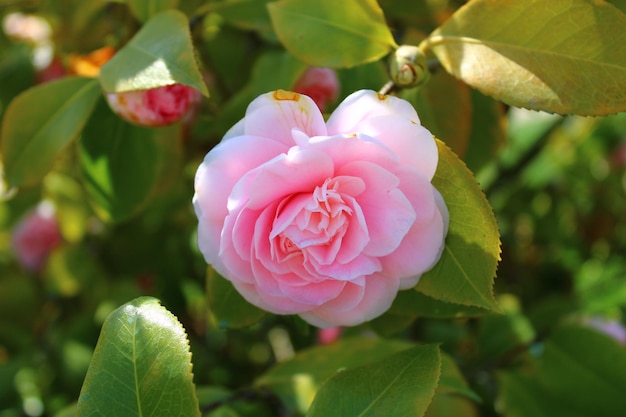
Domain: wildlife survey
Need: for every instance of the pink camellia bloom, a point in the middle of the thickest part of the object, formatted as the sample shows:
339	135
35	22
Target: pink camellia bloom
325	220
36	236
328	335
320	84
155	107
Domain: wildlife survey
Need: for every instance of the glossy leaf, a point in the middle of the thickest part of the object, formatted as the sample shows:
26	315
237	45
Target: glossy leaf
227	306
297	380
559	56
145	9
328	33
39	124
123	168
161	53
464	275
141	366
400	385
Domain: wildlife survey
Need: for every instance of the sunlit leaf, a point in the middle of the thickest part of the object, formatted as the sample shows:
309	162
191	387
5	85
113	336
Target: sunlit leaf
161	53
467	268
227	306
123	164
400	385
145	9
141	366
40	122
558	56
329	33
297	380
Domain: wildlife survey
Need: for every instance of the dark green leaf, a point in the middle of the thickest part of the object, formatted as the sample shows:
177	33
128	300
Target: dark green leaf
416	304
444	107
329	33
467	268
141	366
160	54
400	385
227	306
40	122
581	373
297	380
559	56
243	14
145	9
123	164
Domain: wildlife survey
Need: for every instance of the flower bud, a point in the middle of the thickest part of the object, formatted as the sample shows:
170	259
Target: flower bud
408	67
321	84
36	236
155	107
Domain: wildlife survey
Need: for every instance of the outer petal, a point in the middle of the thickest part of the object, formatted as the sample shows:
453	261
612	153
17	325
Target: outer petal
274	115
363	105
378	293
413	143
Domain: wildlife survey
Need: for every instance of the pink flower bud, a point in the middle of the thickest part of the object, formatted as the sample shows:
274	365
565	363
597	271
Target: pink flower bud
36	236
52	72
155	107
321	84
328	335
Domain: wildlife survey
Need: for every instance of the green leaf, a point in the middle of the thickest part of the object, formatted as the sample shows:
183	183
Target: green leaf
141	366
416	304
452	381
329	33
581	373
160	54
243	14
444	106
487	132
123	164
227	306
40	122
562	56
297	380
400	385
464	274
145	9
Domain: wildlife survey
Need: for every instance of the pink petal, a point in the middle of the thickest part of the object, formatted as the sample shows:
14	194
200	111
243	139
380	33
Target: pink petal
419	251
344	149
388	213
274	115
414	144
222	167
301	170
379	292
365	104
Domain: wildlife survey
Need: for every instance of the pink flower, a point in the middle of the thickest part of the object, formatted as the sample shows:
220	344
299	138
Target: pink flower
325	220
155	107
611	328
320	84
36	236
328	335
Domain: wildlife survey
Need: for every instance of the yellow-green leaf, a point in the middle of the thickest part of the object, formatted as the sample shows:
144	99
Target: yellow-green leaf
331	33
160	54
562	56
145	9
464	274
